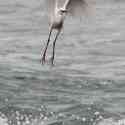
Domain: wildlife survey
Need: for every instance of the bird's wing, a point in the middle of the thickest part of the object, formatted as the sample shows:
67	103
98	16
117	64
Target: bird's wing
76	7
52	4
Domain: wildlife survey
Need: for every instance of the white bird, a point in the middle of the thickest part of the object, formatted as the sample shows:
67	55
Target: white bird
58	9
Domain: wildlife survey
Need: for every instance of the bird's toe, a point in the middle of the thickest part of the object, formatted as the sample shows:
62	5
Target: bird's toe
52	61
43	60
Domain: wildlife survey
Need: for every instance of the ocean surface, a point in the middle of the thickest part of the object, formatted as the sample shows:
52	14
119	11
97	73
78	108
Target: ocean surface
87	84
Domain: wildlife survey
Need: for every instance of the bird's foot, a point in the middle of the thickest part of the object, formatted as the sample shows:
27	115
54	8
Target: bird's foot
43	60
52	61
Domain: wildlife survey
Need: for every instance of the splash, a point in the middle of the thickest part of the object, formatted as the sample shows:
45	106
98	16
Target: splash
111	121
74	115
18	116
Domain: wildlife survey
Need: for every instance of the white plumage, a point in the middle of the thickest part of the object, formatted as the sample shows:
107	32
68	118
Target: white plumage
57	10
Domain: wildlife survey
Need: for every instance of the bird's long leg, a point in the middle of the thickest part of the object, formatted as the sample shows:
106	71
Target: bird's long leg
54	43
44	54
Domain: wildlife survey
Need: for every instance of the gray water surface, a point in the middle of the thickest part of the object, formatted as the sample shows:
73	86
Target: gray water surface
87	84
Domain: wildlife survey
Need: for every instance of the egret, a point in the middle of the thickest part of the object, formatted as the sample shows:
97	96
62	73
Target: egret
58	9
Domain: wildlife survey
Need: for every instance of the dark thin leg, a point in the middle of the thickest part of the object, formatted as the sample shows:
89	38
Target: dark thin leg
54	43
44	54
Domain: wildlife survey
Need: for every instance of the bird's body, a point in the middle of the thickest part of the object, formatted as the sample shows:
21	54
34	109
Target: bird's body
57	20
58	9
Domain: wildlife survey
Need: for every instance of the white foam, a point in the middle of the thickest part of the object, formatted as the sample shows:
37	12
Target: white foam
111	121
3	121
